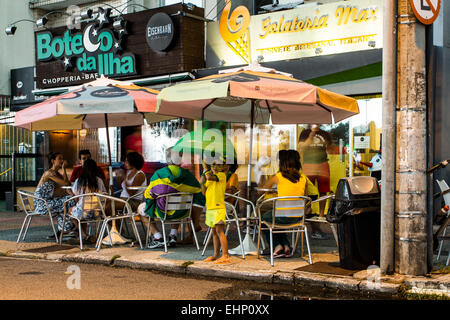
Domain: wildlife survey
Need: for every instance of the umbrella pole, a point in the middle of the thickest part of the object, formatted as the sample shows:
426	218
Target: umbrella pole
107	138
115	238
247	243
249	169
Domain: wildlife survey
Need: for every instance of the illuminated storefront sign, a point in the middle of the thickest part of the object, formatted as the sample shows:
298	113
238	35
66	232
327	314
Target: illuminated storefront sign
94	50
337	27
137	47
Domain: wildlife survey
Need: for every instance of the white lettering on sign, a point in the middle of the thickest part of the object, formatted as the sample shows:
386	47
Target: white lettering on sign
155	31
69	79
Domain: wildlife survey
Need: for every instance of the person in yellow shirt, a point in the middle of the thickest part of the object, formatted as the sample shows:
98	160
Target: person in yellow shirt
290	181
213	184
232	181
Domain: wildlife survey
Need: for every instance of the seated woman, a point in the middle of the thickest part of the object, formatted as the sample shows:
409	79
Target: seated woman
232	178
290	182
49	189
86	208
134	177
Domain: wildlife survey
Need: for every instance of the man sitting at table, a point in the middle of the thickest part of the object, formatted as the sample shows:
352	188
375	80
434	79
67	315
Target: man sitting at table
83	155
170	179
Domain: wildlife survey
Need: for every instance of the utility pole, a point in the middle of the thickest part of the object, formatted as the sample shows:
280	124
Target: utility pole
410	219
389	134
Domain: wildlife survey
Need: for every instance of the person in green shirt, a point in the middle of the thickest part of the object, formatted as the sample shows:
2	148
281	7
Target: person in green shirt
213	184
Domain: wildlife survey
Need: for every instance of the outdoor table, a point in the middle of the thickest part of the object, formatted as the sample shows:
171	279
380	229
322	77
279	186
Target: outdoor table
266	190
137	187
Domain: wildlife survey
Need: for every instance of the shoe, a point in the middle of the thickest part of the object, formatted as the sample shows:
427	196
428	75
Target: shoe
318	236
223	260
172	240
52	236
156	243
67	235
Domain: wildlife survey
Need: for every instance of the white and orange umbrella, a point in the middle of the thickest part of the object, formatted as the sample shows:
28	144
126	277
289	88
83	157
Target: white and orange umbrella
256	95
252	96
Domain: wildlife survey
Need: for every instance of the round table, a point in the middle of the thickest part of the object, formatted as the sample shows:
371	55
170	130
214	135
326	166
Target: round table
137	187
274	190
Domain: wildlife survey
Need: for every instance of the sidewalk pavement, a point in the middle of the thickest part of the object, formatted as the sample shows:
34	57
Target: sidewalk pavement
185	259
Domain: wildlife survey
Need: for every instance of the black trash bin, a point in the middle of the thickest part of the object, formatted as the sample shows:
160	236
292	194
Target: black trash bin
356	210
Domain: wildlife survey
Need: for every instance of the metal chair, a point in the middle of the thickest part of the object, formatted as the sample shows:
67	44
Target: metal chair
126	213
91	203
291	207
29	211
174	201
445	191
230	218
137	195
229	211
252	218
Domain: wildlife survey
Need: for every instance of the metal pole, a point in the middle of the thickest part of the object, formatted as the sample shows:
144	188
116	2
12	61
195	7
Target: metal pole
107	138
389	88
13	178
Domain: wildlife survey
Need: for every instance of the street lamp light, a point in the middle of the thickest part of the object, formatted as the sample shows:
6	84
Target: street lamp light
43	21
119	24
11	28
87	14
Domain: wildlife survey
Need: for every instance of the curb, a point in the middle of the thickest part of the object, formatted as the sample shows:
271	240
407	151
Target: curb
298	278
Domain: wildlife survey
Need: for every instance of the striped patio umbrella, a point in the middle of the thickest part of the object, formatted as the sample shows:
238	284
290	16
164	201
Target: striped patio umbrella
256	95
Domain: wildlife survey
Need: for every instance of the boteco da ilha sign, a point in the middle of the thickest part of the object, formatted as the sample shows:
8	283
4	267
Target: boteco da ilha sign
93	50
151	43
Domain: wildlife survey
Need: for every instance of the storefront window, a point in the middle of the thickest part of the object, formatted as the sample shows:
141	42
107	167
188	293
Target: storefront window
367	127
267	141
95	140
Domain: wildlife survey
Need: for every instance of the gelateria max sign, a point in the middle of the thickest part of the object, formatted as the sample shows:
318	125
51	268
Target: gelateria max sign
94	50
336	27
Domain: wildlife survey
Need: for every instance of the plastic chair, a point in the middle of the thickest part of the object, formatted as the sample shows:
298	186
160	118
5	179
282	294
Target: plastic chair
445	191
92	204
126	213
230	218
29	211
290	206
175	201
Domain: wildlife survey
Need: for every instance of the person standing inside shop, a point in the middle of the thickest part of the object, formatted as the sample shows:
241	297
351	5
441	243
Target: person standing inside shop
314	145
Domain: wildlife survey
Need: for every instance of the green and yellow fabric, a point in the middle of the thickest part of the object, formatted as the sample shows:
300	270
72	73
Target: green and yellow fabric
170	179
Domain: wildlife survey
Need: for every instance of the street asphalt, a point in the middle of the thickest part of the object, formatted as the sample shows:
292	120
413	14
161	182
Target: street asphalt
186	259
